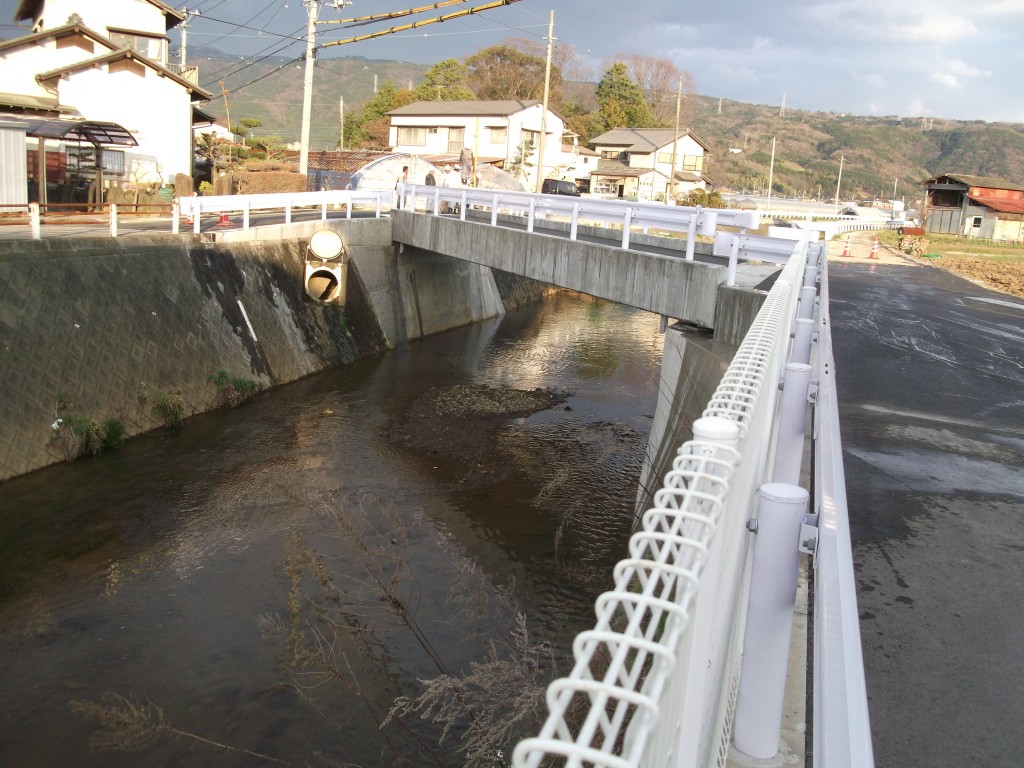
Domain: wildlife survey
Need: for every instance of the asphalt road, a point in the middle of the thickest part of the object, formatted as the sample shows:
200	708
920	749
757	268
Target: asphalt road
930	371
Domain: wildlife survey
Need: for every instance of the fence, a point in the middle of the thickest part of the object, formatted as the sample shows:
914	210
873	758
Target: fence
656	682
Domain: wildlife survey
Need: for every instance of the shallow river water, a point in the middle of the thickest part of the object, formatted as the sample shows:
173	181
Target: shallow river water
272	577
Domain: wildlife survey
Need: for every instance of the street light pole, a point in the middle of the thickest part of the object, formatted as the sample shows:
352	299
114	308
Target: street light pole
839	181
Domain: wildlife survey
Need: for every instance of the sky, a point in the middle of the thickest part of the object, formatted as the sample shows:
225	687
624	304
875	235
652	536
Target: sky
912	58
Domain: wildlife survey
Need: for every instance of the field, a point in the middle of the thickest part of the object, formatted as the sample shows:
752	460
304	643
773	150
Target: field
991	264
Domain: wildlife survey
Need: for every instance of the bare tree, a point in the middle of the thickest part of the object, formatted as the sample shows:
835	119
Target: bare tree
659	79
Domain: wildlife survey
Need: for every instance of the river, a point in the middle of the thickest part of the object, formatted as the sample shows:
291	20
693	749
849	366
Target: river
270	578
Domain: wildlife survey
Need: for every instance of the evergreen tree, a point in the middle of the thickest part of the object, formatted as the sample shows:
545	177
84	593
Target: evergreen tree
621	102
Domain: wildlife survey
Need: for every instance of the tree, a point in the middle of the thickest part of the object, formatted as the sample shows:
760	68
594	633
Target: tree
209	146
370	126
505	72
520	165
271	146
659	79
445	81
245	127
618	94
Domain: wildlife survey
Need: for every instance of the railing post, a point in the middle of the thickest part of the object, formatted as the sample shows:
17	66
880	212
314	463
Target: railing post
494	212
348	208
811	274
773	581
35	221
462	205
530	215
323	211
734	255
288	212
691	235
245	213
196	212
808	294
792	424
113	219
574	221
175	215
437	201
626	221
803	332
377	198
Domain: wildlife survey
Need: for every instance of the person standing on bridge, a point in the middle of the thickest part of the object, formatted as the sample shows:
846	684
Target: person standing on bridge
452	179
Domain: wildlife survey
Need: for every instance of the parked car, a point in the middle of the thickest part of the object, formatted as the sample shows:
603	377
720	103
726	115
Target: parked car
559	187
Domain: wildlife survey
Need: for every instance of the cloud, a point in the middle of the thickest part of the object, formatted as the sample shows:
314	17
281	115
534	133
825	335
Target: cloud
947	79
962	68
939	29
956	71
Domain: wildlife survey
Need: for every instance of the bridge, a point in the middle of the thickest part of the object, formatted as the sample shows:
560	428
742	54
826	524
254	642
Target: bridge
687	662
688	659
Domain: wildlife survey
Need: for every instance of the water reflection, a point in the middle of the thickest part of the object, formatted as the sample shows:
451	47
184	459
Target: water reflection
301	539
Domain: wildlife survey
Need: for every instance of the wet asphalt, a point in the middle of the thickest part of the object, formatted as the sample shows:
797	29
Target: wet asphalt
930	371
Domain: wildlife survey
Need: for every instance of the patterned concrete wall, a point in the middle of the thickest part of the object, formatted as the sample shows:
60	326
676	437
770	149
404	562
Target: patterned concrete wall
102	326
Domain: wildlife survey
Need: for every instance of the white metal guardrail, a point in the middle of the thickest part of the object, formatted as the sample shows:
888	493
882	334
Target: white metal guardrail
192	208
655	682
579	210
842	729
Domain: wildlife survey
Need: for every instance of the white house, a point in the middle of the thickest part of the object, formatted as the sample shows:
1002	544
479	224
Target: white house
101	62
496	132
637	163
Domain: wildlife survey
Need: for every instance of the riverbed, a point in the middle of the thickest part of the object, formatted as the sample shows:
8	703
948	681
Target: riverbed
271	578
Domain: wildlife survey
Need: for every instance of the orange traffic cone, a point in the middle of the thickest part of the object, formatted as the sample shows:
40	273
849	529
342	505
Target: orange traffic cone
223	221
846	248
874	250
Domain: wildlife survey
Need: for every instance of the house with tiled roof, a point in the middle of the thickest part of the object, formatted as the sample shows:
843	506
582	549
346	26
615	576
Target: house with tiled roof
637	163
101	63
494	131
974	206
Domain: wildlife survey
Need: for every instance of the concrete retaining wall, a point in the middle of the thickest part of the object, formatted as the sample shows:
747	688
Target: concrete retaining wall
103	326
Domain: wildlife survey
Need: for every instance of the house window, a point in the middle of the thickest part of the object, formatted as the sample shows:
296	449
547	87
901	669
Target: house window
499	135
977	222
150	47
693	162
613	154
665	157
456	140
412	136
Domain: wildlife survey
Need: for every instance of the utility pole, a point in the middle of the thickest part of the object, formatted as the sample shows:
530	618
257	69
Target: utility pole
771	176
782	109
341	123
224	93
671	198
313	10
544	114
375	84
839	181
184	39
